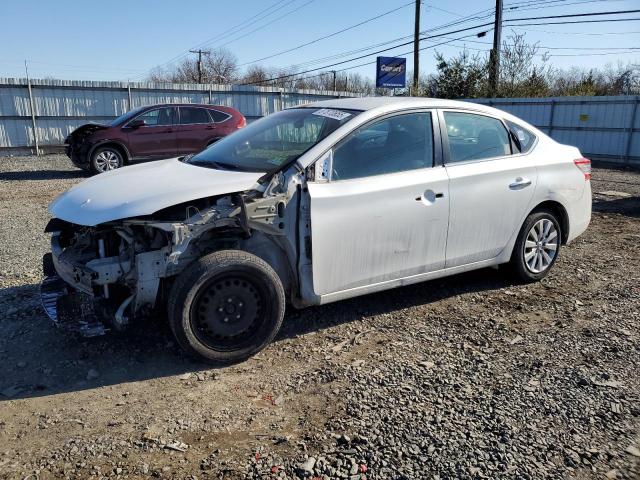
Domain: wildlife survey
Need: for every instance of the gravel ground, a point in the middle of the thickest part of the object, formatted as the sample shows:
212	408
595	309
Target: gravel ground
467	377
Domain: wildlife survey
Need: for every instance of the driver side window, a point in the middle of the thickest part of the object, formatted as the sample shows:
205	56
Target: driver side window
159	116
394	144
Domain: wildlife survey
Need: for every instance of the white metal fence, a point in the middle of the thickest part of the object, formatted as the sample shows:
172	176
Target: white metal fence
41	113
601	127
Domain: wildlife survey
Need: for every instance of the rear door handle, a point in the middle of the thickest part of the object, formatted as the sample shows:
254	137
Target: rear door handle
520	182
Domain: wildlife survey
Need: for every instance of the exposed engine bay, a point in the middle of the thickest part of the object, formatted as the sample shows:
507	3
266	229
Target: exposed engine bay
121	270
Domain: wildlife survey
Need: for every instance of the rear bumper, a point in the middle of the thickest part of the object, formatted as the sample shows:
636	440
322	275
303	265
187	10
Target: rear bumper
580	214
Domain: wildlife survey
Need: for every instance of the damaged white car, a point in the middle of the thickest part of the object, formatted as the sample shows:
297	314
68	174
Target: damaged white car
308	206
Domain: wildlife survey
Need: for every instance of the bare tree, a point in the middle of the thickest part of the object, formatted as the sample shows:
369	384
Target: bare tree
218	66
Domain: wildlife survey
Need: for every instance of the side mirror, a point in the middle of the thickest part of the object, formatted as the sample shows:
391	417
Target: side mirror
136	124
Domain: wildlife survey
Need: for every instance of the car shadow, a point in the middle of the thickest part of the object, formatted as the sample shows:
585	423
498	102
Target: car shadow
628	206
40	360
43	175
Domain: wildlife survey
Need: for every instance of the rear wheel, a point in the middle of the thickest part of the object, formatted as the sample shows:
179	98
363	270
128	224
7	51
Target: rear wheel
537	246
105	159
226	307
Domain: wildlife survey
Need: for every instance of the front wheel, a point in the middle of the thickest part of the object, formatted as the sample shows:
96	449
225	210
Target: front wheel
105	159
226	307
537	246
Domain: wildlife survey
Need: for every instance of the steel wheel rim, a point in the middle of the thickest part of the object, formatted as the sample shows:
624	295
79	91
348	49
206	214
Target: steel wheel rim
228	311
541	246
107	160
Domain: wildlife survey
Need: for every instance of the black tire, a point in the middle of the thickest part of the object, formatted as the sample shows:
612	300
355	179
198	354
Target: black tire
226	307
99	157
519	265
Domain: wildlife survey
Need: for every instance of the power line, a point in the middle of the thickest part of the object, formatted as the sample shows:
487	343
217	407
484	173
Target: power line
578	21
351	27
372	62
563	48
267	24
367	55
616	12
457	31
234	29
632	50
597	34
473	16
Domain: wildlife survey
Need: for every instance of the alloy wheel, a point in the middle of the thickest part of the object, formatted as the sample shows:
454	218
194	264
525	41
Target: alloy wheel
107	160
541	246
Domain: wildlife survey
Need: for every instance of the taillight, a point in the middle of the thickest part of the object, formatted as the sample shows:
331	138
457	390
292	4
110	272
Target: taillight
242	123
584	164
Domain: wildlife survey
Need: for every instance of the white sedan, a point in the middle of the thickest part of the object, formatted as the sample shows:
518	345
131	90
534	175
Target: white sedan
307	206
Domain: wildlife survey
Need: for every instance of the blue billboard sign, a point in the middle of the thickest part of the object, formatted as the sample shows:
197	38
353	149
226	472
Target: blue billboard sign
391	72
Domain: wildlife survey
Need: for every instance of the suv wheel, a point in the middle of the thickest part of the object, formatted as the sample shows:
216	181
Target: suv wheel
105	159
537	246
226	306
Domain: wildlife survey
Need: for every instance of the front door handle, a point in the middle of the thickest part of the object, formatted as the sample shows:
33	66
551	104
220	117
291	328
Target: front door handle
429	197
520	182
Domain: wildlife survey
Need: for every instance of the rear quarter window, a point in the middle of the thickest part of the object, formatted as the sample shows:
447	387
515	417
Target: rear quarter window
218	116
527	139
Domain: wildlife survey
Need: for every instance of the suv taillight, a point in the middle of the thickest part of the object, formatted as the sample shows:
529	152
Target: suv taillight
584	164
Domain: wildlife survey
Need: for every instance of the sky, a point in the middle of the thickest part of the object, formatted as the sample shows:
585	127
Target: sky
123	40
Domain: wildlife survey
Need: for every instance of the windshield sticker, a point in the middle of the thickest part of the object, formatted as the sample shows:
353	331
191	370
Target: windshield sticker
335	114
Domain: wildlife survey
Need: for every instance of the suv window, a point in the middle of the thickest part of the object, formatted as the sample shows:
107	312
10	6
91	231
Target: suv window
526	138
159	116
395	144
475	137
193	115
218	116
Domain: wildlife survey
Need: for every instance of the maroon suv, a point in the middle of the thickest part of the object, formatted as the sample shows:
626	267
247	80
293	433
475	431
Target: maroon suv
150	133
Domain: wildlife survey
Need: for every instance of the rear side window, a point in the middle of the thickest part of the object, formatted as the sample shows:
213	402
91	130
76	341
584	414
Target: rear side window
193	115
159	116
526	138
218	116
475	137
394	144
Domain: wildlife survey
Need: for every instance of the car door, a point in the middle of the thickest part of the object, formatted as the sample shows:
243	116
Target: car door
157	137
195	130
383	213
490	187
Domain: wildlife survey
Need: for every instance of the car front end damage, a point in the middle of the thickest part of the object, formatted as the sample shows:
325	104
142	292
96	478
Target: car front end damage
101	278
79	143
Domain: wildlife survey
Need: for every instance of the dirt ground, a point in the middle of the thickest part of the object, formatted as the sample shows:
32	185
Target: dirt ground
472	376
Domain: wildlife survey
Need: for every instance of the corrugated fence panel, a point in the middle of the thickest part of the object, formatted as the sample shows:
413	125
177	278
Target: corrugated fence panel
61	105
606	126
14	101
598	126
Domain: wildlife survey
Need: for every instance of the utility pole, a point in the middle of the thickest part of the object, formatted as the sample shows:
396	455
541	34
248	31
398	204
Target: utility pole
334	81
32	109
200	53
416	48
494	67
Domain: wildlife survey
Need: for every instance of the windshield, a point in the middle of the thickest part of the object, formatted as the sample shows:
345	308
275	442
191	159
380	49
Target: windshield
274	141
126	116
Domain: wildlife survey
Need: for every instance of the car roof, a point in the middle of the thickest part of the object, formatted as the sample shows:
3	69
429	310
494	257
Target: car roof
200	105
389	104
